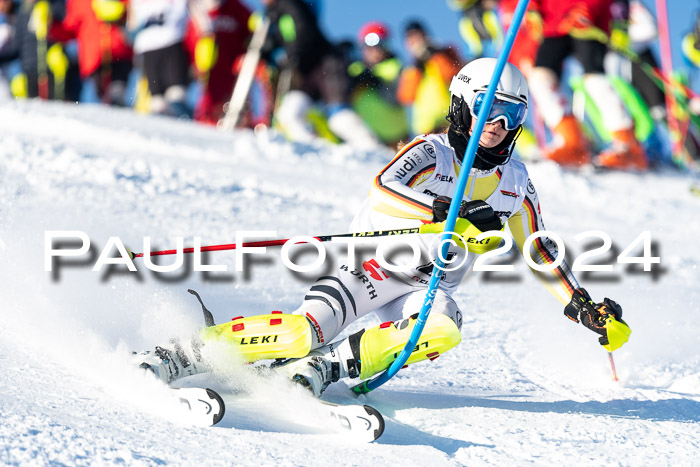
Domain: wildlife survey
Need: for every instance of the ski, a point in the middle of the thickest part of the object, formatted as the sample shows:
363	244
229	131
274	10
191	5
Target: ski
206	407
361	422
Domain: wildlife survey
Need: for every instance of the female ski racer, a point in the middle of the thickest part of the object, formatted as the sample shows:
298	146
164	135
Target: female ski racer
413	190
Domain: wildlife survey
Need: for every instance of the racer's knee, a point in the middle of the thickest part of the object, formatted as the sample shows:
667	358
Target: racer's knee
322	319
445	305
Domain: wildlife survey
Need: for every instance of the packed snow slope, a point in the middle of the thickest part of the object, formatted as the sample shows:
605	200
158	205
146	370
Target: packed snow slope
525	385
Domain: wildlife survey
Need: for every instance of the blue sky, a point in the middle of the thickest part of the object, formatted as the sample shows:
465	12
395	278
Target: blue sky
342	19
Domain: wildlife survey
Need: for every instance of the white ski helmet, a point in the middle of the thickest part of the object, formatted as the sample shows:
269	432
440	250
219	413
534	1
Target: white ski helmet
472	81
468	91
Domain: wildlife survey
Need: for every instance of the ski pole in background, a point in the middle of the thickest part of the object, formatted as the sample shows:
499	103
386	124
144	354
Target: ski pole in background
245	77
612	366
659	76
469	156
667	67
39	21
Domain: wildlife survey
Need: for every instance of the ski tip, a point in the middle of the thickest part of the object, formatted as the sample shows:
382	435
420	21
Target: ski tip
371	411
220	414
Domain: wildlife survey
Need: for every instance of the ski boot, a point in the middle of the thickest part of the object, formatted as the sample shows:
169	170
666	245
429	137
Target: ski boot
569	147
624	153
173	362
322	366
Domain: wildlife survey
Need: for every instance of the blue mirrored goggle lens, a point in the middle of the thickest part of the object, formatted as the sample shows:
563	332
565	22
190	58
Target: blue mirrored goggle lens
512	113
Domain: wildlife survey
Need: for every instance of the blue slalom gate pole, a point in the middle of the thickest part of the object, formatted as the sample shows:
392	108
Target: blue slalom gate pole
469	154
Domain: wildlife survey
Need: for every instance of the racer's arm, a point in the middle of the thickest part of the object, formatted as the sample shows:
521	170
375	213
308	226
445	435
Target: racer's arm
392	192
605	318
560	281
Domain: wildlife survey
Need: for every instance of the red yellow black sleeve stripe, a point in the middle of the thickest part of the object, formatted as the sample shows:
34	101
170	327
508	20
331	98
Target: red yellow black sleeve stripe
401	198
395	195
427	170
543	251
403	151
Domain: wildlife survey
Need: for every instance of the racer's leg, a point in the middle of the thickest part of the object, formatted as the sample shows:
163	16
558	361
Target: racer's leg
370	351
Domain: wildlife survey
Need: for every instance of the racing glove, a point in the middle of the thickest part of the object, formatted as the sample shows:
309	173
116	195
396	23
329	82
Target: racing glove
604	318
478	212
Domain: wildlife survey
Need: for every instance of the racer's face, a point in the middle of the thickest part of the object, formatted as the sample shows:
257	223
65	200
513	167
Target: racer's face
493	134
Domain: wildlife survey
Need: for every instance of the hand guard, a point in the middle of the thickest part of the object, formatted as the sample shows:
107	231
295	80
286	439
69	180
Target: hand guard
478	212
602	318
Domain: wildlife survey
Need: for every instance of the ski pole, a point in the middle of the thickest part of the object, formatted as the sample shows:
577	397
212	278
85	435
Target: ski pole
245	76
667	67
282	241
612	366
654	72
469	156
664	80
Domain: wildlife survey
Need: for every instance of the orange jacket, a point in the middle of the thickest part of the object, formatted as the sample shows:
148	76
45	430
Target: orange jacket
446	61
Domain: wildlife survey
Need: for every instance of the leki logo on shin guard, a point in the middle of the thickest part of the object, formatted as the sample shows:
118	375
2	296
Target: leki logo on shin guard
424	345
259	340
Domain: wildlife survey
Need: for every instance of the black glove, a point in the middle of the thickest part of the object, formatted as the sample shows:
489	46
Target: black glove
478	212
592	315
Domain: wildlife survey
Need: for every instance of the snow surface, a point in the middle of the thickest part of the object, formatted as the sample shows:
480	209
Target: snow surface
525	386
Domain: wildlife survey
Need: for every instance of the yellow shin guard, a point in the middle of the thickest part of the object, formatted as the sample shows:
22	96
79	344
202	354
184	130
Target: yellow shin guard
262	337
381	345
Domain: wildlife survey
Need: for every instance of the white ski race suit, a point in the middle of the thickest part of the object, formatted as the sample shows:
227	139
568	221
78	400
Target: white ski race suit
402	197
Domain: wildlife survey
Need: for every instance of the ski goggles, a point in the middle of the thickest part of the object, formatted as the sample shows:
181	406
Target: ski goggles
512	112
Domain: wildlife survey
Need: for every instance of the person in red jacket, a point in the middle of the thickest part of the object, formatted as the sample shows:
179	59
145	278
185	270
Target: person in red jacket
581	28
216	36
104	54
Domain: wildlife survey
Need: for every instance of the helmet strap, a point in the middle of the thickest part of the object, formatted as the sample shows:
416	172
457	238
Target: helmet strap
460	117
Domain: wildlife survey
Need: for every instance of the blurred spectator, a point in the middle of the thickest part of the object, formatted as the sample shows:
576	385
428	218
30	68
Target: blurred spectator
479	26
581	28
425	85
158	28
319	74
691	53
46	71
691	44
215	38
642	33
8	45
529	37
104	53
376	81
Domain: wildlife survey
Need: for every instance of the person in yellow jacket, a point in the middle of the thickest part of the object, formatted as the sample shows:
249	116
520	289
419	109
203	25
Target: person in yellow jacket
424	86
375	80
691	44
691	52
412	191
